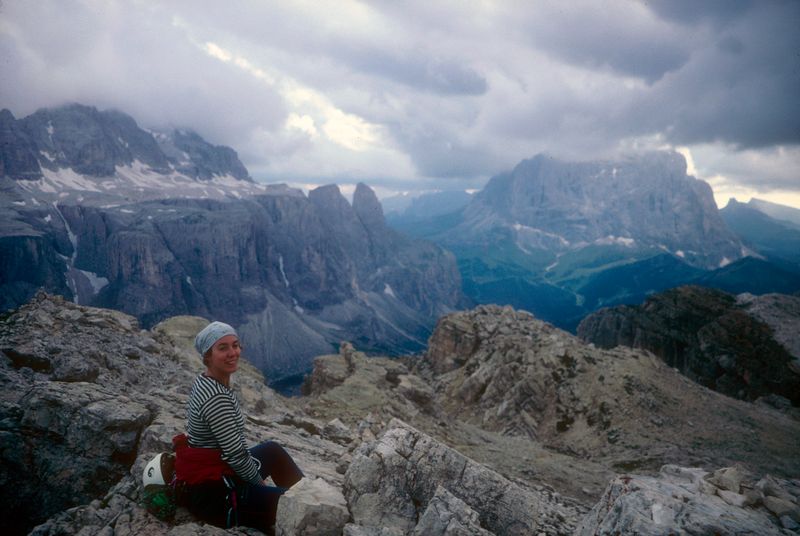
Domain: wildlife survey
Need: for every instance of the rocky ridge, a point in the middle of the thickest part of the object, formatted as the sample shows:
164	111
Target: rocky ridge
514	374
157	225
772	230
445	472
544	408
746	347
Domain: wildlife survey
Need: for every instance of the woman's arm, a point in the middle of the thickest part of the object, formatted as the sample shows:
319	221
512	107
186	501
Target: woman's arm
220	414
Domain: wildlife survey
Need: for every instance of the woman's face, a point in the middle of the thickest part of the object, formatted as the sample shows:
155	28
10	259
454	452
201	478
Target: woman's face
223	359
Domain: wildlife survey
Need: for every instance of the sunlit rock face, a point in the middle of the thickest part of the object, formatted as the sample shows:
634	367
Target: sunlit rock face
160	224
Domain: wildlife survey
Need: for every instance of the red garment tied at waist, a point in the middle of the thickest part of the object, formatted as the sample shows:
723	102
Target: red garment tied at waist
195	465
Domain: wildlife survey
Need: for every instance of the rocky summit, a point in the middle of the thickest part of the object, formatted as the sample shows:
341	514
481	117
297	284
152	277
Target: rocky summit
602	441
746	346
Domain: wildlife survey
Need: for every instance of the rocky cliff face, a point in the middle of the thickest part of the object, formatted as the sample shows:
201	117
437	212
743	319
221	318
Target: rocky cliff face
17	150
646	201
88	398
157	225
296	274
711	337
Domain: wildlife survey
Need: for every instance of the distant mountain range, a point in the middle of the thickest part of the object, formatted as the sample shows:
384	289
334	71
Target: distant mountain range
157	224
770	229
562	239
101	211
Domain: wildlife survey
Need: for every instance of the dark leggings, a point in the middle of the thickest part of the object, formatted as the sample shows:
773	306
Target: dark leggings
256	504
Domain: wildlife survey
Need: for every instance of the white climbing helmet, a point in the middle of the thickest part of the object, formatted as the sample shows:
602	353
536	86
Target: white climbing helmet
154	472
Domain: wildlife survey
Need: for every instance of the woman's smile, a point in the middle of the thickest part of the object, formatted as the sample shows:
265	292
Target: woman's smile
223	359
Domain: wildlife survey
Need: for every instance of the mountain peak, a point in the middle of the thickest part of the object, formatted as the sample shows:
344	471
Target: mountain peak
367	207
77	151
646	197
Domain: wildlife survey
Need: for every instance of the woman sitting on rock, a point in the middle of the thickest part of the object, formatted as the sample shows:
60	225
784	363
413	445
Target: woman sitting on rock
224	481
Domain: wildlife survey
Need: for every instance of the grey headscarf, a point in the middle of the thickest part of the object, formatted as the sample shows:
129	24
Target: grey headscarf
211	334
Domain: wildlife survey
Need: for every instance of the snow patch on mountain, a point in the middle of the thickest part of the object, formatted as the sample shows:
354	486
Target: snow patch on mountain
134	182
611	240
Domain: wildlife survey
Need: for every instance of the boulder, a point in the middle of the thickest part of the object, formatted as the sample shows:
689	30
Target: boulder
312	508
77	437
447	515
782	507
728	478
338	432
677	501
393	482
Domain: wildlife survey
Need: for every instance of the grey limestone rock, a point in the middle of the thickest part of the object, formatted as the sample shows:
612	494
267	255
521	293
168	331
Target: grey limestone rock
447	515
192	155
368	209
312	508
90	141
352	529
392	481
295	275
73	451
505	371
338	431
80	446
158	225
18	158
678	501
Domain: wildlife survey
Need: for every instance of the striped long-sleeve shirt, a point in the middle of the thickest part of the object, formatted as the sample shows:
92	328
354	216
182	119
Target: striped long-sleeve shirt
214	420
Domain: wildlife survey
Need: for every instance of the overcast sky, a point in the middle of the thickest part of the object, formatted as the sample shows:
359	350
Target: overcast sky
430	94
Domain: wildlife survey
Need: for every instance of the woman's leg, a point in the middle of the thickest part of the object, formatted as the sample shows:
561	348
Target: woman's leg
277	464
207	501
258	506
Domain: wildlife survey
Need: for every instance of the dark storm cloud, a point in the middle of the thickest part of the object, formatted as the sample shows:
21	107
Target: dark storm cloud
425	90
694	12
439	152
323	42
419	69
598	36
122	57
740	89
